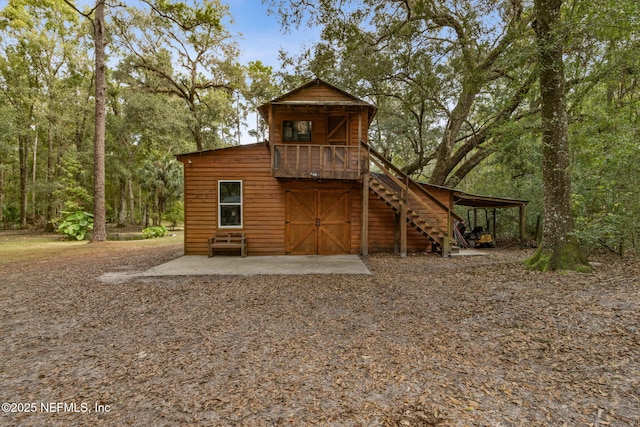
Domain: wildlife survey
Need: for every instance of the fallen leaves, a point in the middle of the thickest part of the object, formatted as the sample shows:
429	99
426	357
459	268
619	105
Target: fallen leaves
424	341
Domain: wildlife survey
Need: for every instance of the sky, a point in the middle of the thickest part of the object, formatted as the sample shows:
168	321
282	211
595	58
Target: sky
262	36
262	39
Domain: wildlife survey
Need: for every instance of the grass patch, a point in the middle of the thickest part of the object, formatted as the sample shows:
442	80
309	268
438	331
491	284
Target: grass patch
19	246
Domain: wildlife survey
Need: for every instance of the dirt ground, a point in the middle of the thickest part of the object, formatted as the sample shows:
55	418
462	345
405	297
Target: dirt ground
424	341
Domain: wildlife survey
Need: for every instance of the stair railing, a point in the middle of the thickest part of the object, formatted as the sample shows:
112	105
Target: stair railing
386	166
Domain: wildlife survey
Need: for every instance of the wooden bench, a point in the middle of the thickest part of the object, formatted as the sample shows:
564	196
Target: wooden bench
222	240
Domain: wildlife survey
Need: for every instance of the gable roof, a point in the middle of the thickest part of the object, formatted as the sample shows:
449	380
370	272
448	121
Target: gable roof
296	97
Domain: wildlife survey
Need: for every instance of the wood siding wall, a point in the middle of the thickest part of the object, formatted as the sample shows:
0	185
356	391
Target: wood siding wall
263	199
358	123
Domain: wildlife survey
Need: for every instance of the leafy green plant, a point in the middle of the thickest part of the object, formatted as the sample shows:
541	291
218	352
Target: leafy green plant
155	231
76	225
175	214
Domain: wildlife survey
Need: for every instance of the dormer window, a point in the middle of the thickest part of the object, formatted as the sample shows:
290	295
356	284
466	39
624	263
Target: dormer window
296	130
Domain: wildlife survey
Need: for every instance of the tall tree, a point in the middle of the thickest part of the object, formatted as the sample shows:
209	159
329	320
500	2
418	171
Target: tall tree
99	208
184	51
559	249
30	30
6	148
97	18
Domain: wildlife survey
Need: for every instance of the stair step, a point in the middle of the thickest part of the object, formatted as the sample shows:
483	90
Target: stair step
428	227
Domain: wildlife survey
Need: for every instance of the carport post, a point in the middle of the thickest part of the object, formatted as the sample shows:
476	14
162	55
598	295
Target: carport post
522	222
475	218
494	225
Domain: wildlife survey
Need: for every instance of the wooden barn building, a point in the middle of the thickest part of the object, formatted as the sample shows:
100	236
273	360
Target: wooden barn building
316	187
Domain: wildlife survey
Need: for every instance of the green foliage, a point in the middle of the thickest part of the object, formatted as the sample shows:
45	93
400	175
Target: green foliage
155	231
175	213
10	214
72	184
185	52
76	225
606	155
161	177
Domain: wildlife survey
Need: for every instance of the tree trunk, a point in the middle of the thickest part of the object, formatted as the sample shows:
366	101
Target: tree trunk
156	210
99	209
122	212
50	174
1	192
23	153
559	249
132	207
34	170
457	118
196	131
145	216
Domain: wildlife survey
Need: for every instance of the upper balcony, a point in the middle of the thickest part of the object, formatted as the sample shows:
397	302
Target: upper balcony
314	161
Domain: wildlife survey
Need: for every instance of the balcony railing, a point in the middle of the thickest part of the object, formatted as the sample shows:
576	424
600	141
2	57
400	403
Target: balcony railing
319	161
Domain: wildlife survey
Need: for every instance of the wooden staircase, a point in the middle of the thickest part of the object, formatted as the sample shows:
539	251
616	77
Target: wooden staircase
422	210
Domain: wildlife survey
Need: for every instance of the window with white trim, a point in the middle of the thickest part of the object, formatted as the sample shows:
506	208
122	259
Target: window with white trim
229	204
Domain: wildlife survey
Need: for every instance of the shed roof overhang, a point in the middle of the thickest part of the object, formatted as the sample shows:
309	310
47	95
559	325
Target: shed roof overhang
487	202
475	201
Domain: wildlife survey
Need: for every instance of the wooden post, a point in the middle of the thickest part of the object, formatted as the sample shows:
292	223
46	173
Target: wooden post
446	241
396	234
475	218
274	164
446	246
494	226
364	234
403	229
271	126
359	142
522	222
403	218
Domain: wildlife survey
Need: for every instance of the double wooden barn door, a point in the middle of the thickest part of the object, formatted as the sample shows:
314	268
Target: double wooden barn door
318	222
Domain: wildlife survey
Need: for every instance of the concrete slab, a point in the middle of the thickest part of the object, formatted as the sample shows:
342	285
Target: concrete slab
469	252
255	265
